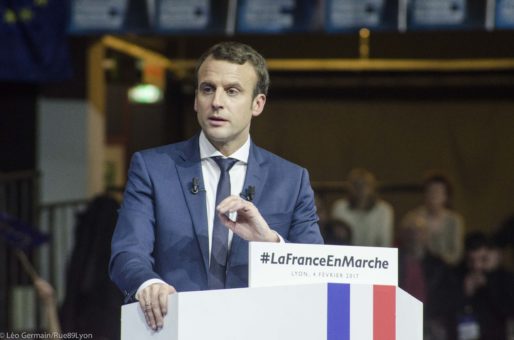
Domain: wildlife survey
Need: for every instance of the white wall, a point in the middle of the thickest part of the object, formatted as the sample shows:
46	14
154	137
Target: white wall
71	143
62	149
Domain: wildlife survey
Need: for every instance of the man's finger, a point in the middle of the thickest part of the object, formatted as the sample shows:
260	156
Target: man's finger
163	301
227	221
231	203
156	306
156	310
163	298
146	306
150	315
147	319
142	298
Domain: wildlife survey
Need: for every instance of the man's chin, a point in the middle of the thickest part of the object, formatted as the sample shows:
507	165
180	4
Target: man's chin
215	136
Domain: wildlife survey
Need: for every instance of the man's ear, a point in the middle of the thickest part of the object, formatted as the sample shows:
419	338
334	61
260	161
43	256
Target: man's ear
258	104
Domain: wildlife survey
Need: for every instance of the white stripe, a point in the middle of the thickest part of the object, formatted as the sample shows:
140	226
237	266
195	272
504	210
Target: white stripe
361	312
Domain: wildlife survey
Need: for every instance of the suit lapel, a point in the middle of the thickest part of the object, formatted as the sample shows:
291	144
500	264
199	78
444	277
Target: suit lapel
189	168
256	171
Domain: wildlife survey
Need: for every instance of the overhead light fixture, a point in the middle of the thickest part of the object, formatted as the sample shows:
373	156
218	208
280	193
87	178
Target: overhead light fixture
145	94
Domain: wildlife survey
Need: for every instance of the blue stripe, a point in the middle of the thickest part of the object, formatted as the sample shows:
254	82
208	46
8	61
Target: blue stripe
338	311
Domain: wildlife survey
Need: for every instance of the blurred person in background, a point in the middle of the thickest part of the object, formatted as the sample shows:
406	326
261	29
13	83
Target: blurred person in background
445	226
46	294
425	276
369	217
92	302
485	294
338	233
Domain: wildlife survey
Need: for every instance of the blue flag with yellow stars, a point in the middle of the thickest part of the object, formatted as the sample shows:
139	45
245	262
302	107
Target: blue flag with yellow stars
33	41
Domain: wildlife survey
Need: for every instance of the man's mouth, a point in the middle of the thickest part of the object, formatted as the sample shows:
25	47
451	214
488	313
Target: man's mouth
217	120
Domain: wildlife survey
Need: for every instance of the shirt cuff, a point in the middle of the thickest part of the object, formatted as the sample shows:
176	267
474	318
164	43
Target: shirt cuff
146	284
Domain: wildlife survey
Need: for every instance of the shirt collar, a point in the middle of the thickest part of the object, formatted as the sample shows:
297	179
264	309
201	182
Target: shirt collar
207	150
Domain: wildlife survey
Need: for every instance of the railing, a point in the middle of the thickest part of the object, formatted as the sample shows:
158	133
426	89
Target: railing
19	193
19	197
58	220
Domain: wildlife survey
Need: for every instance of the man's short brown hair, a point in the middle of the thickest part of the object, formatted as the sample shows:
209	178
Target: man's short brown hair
238	53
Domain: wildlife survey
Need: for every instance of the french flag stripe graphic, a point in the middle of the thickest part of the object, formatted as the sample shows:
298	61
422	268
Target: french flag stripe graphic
361	312
361	320
384	312
338	316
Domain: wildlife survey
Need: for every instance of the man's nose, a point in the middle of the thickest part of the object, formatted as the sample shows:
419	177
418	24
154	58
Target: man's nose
217	100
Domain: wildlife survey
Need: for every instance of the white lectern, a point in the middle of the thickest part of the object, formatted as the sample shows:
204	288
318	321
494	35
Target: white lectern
331	311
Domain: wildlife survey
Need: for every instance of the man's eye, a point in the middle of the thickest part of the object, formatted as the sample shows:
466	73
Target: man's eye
232	91
207	89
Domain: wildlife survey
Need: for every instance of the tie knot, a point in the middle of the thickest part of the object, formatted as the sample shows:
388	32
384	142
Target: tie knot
225	164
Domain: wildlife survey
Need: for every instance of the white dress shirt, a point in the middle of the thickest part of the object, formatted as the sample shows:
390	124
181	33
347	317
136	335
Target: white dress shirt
211	176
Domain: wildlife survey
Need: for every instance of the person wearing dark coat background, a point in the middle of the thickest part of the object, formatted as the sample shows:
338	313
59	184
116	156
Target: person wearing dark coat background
485	295
92	302
425	276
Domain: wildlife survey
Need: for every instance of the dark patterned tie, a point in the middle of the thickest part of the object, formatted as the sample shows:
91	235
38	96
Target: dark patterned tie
219	248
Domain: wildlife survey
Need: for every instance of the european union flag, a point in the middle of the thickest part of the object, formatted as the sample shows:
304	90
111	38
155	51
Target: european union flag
33	41
19	234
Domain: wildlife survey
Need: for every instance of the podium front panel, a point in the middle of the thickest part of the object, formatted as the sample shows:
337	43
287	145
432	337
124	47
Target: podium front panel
331	311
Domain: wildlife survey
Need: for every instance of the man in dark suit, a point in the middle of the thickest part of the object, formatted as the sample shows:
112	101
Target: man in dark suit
174	231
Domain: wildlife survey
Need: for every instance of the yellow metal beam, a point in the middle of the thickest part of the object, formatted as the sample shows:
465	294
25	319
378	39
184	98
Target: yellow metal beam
182	66
96	87
136	51
405	65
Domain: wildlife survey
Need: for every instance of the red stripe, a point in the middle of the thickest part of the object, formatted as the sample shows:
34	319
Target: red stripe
384	312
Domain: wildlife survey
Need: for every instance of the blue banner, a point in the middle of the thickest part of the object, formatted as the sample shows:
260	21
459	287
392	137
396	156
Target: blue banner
19	234
352	15
446	14
278	16
191	16
504	14
110	16
33	45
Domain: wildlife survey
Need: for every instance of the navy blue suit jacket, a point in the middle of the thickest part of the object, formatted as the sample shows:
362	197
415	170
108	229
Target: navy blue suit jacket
162	226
